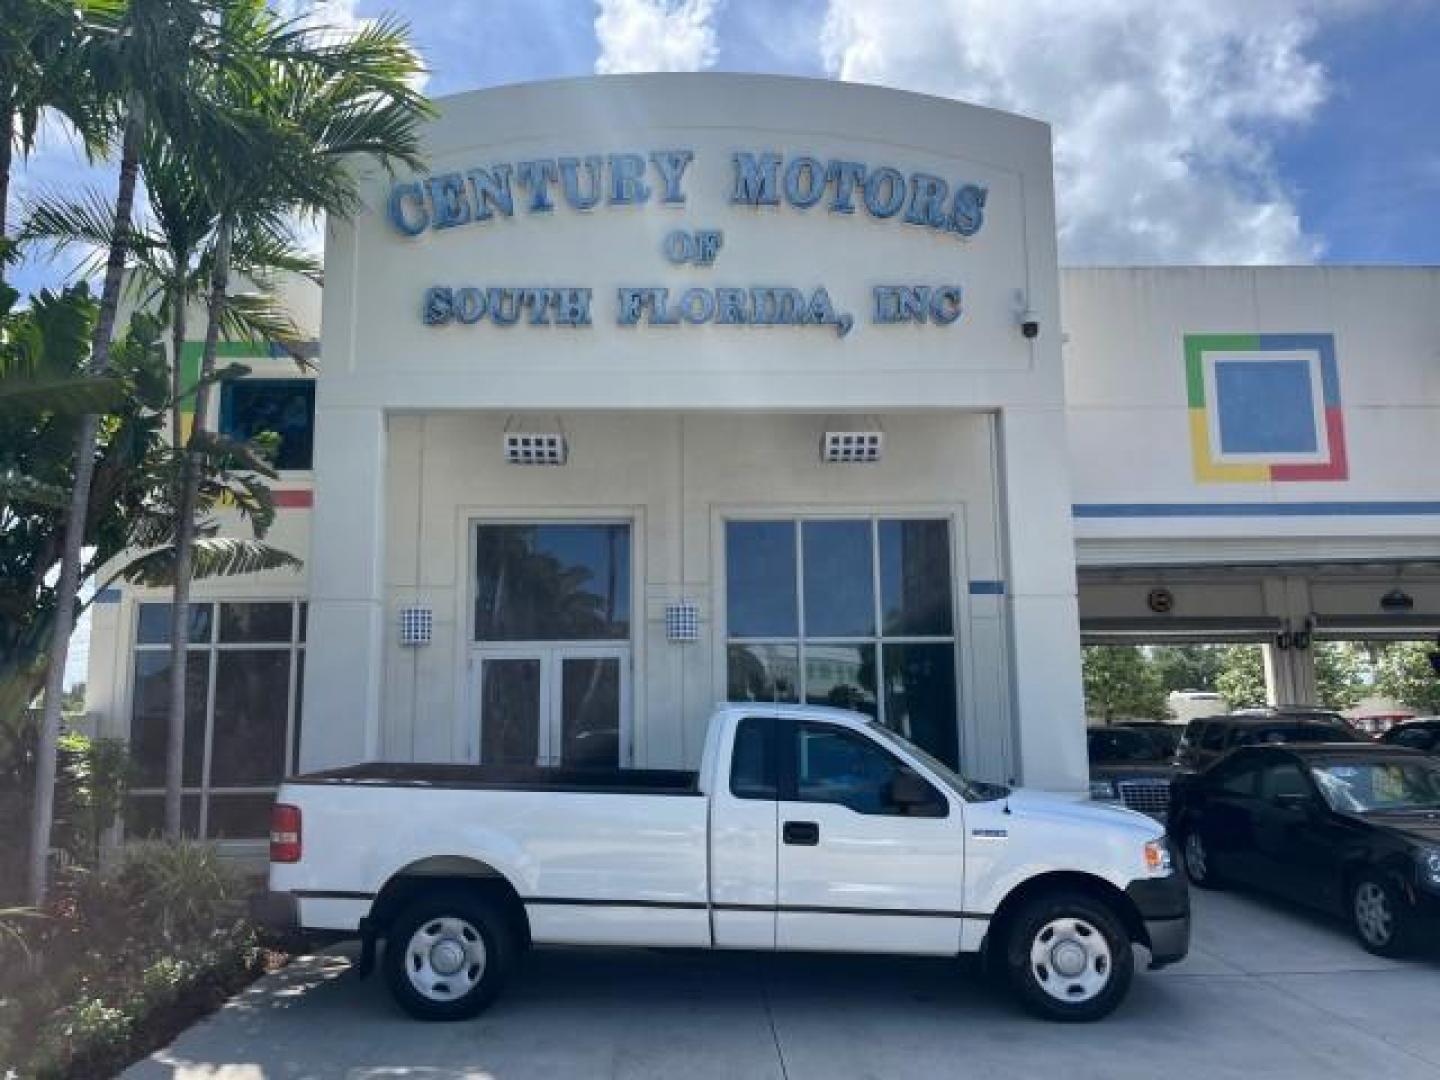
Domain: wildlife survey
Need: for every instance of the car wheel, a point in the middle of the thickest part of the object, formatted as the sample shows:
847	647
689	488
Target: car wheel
1380	918
1068	957
1199	867
448	955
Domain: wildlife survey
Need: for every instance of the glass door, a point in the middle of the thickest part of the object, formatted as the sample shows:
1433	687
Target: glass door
562	706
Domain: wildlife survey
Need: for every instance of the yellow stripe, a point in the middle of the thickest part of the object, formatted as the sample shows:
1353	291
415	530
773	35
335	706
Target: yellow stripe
1207	471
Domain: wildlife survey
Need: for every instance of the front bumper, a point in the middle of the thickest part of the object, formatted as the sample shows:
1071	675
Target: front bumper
1164	907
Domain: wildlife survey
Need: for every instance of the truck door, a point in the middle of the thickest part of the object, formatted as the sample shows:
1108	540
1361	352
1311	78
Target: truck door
871	855
744	838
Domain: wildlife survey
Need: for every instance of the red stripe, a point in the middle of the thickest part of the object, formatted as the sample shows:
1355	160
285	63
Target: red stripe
294	498
1337	468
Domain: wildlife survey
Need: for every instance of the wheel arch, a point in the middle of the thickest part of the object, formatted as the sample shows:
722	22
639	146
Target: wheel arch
1064	881
436	872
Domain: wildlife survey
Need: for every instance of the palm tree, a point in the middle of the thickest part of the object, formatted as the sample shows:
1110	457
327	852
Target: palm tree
140	56
322	100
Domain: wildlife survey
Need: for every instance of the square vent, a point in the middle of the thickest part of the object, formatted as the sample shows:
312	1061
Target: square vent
536	448
682	621
417	625
852	447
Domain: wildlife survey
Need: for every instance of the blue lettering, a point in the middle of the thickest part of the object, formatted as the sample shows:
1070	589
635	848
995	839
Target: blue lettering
491	190
469	305
572	307
627	188
536	178
846	174
632	305
570	179
412	193
756	180
887	304
671	166
504	306
967	213
730	307
927	197
945	304
697	306
884	192
439	306
804	182
447	196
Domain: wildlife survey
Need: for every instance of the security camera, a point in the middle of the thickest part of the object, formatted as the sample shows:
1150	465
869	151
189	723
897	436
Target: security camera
1029	325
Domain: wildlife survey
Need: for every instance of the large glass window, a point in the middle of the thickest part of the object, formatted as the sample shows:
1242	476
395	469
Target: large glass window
857	613
242	684
284	407
560	582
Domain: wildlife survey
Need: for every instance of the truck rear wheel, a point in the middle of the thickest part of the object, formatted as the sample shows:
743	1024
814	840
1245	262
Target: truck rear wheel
1068	957
448	954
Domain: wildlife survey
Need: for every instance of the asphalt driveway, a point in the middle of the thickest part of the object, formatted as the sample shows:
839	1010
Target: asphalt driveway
1266	992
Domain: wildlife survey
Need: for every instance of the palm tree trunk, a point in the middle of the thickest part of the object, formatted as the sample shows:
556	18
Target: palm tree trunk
185	534
68	586
7	151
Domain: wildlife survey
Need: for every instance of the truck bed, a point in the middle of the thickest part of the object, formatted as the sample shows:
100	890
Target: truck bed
507	778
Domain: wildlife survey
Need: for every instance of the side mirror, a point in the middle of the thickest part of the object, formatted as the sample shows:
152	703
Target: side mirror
913	794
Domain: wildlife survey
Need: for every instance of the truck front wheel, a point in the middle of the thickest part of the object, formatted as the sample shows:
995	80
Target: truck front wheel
1068	957
448	954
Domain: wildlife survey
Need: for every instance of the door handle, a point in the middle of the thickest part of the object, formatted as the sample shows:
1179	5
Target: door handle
801	833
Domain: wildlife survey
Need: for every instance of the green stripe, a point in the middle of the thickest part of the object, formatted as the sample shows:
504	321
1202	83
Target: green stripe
192	351
1198	344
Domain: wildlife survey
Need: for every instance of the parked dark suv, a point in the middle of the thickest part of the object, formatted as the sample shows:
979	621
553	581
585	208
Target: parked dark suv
1132	764
1422	733
1210	738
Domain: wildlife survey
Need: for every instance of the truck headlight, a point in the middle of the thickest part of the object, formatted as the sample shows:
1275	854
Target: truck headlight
1157	856
1429	860
1102	789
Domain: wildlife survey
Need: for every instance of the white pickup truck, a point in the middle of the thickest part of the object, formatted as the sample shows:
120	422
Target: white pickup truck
805	829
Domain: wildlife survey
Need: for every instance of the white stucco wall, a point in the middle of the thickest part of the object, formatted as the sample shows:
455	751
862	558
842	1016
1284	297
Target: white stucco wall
409	415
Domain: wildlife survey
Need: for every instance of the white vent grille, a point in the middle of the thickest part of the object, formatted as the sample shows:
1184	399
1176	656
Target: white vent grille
682	621
535	448
417	625
852	447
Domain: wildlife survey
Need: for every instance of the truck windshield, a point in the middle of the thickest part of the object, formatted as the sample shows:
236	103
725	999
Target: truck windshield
969	790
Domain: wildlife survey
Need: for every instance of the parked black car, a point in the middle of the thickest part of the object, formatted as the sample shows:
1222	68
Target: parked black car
1351	828
1133	765
1210	738
1420	734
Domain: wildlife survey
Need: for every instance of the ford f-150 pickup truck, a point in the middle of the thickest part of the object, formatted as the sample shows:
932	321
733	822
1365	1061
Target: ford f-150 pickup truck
806	828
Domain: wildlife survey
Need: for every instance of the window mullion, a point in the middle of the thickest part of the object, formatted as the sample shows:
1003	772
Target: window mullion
800	609
880	715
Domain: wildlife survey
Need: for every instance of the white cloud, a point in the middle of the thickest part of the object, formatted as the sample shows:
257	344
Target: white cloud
339	17
655	35
1163	113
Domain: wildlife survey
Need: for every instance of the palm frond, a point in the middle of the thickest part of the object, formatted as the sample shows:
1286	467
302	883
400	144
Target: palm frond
216	556
71	396
26	490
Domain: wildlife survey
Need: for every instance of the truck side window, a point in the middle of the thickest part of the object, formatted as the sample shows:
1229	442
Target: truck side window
834	765
754	768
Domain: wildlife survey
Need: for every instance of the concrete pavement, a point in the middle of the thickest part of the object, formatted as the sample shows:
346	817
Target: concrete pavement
1266	992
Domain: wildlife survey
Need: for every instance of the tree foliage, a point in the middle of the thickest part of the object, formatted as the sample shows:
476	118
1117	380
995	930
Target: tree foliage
1121	683
1403	672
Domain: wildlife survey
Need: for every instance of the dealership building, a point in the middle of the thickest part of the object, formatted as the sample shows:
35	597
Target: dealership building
656	391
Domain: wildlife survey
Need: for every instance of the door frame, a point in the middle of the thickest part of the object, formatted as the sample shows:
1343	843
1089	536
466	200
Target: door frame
465	727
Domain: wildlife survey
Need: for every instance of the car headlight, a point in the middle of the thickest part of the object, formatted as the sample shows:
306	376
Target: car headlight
1102	789
1157	856
1429	859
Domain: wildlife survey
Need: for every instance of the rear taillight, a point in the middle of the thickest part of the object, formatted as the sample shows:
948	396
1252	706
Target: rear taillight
285	833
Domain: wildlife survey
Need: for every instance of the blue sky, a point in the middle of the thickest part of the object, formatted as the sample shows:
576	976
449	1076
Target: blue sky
1211	131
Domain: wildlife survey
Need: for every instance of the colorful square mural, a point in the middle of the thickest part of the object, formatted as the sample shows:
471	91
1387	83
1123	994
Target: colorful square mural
1264	407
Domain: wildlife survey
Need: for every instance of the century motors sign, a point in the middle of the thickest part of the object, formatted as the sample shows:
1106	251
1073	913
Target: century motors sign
473	198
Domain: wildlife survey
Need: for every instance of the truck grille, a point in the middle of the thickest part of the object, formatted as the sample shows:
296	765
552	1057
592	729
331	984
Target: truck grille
1148	796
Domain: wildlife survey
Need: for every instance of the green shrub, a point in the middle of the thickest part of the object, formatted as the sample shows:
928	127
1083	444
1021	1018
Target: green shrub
183	890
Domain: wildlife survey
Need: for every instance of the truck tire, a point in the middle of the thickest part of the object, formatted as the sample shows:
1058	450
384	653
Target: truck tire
1068	956
448	954
1199	866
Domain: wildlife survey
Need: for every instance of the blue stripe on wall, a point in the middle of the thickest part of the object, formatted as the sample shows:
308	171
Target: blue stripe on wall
107	596
987	588
1255	510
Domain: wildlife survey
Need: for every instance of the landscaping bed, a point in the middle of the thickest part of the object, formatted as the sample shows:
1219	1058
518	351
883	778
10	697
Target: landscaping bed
123	961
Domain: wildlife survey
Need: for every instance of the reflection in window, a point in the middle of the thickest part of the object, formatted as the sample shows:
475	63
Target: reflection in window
801	620
284	407
241	716
558	582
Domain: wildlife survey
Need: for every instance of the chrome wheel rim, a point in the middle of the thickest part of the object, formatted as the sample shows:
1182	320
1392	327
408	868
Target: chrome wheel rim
1373	916
1195	856
1071	960
445	958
